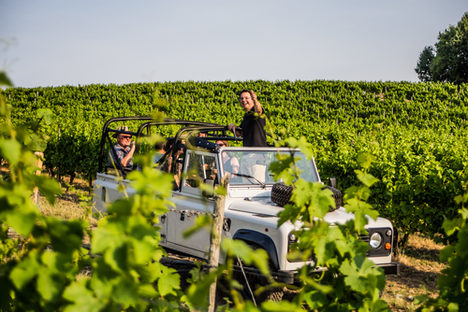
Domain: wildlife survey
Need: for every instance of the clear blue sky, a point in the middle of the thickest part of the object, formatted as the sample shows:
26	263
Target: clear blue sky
80	42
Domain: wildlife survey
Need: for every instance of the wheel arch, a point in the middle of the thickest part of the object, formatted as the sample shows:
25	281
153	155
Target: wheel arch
262	240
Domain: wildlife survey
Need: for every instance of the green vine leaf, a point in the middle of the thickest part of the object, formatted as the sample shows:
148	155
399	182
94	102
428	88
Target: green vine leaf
11	151
81	298
25	271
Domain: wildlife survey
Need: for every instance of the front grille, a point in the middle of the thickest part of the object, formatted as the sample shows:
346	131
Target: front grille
381	251
364	238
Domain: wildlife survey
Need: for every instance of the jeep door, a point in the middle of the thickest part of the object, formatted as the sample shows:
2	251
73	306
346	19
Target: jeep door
190	201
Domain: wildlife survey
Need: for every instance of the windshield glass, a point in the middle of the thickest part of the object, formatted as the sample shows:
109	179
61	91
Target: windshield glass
251	167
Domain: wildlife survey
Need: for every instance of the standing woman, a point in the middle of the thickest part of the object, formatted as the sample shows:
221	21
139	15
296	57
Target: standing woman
253	125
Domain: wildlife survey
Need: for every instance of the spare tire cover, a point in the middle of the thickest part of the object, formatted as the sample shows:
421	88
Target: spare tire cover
281	195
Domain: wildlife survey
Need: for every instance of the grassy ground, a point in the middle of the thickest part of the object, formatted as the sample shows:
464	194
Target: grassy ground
419	261
419	271
74	203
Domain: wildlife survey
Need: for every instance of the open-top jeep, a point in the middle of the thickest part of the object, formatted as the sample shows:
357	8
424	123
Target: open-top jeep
253	198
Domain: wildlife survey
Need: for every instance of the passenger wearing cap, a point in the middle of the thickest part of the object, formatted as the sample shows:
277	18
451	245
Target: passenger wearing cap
124	148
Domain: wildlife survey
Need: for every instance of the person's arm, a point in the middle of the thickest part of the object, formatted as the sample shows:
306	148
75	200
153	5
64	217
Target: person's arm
257	106
232	127
129	156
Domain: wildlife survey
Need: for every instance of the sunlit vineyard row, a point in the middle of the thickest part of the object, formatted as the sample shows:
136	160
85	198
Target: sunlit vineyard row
416	131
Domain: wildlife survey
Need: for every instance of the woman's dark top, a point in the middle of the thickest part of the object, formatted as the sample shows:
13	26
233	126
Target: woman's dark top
253	129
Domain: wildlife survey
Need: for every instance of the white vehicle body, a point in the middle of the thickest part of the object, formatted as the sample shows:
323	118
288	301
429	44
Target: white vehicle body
250	214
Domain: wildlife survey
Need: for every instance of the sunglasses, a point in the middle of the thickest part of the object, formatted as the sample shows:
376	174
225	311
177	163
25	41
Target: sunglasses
126	136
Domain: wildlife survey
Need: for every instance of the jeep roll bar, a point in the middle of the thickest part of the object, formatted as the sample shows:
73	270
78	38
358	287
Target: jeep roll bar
148	122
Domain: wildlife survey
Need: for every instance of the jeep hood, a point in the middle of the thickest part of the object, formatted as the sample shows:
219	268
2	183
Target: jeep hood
265	207
340	216
258	206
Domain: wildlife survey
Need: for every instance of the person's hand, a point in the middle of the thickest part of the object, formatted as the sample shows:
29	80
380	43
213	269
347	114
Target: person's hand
132	146
231	127
253	95
257	105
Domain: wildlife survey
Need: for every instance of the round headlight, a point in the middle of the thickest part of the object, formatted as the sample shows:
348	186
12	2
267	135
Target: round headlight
292	237
375	240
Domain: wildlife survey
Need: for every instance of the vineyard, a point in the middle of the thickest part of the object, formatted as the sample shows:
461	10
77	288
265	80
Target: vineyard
411	137
416	131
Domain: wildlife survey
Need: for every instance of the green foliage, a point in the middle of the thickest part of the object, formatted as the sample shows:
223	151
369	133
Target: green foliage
356	197
423	67
5	80
449	61
128	275
416	131
37	266
38	270
452	283
348	280
196	295
45	268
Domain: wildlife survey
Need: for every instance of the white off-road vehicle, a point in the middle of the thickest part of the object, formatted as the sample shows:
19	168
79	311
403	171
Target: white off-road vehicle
253	198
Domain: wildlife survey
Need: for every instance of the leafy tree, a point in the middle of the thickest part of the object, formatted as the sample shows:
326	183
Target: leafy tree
450	60
423	68
5	80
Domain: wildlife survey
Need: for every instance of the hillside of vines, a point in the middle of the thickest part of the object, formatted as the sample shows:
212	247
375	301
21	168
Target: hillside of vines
416	131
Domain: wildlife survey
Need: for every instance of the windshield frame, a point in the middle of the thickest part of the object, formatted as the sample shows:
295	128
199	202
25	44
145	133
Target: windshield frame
274	150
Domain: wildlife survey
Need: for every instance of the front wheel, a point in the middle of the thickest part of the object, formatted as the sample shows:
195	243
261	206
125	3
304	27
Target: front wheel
251	281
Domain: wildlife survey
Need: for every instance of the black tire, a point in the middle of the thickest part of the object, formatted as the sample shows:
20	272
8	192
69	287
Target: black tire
275	294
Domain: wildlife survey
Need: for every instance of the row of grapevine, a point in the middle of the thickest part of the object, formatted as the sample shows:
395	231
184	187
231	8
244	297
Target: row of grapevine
417	131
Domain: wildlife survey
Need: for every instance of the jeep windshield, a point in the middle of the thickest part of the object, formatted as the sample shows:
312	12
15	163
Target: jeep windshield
249	165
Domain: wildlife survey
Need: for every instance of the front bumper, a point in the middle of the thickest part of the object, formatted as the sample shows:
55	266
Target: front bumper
290	277
390	268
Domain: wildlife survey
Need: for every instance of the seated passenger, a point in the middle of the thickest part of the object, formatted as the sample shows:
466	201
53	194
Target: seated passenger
172	161
160	152
124	149
230	163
